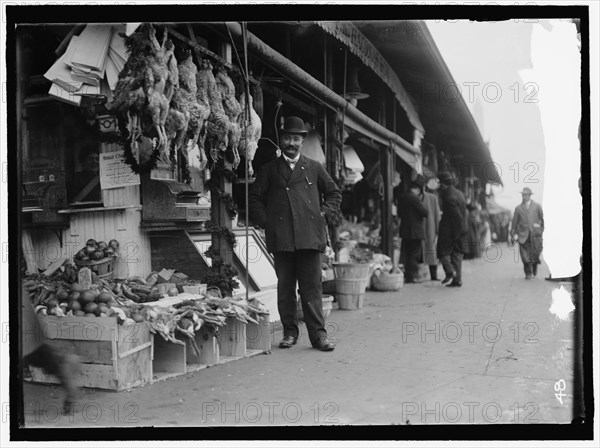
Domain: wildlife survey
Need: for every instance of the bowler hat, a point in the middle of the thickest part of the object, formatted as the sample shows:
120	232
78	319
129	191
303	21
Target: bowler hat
294	125
446	177
526	191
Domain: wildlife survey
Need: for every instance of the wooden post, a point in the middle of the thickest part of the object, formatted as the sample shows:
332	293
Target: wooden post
385	165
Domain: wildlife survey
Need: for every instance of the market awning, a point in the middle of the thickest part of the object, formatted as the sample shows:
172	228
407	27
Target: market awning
360	46
411	51
304	80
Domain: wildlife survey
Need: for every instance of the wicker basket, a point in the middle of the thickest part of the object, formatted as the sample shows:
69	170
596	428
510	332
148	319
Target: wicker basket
103	268
388	281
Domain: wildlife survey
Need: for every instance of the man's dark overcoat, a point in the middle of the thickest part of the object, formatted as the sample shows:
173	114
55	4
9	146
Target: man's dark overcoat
288	204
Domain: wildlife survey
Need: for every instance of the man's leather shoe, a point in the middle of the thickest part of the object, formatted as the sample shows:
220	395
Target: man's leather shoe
448	278
324	345
454	284
288	342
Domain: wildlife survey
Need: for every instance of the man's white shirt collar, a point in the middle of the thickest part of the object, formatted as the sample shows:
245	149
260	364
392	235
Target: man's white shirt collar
291	162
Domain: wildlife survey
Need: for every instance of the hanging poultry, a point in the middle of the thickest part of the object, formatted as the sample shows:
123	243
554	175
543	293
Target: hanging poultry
197	113
217	127
250	135
232	109
129	99
202	99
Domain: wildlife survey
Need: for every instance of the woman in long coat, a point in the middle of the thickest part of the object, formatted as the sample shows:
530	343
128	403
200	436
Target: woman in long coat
432	225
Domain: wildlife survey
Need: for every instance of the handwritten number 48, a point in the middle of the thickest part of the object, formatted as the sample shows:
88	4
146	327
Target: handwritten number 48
559	386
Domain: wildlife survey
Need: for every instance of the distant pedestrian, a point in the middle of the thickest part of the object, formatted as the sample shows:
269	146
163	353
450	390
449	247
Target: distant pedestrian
432	226
412	231
453	229
291	198
528	226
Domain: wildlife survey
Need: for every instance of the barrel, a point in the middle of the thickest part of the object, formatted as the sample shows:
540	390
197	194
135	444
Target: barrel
351	281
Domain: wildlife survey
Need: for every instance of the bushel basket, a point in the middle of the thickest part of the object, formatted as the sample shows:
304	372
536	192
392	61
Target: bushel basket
387	281
103	268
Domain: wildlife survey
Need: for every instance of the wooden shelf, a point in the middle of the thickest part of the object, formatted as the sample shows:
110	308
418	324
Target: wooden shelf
100	209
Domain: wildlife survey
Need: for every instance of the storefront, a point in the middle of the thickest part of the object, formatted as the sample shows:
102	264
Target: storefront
149	135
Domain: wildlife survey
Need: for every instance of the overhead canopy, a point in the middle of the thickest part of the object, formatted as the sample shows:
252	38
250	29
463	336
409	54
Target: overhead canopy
360	46
305	81
410	50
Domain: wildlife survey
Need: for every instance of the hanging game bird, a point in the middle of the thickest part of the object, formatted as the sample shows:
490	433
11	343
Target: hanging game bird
232	109
217	128
250	135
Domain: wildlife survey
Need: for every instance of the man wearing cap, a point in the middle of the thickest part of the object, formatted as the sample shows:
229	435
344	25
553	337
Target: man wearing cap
528	227
452	230
291	198
412	230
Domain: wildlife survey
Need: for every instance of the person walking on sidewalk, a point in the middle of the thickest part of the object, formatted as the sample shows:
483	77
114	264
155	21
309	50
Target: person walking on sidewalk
432	225
528	226
453	228
412	229
291	198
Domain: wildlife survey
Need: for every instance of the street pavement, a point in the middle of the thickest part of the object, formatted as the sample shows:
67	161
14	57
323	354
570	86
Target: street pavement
494	351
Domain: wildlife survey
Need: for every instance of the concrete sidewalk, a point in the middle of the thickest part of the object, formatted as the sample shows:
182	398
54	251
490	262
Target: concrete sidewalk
489	352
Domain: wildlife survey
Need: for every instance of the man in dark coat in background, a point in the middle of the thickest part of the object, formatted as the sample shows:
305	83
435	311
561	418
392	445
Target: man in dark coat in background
453	229
412	231
291	198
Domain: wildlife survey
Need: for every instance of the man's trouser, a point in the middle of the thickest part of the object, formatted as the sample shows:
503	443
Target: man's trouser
452	264
303	266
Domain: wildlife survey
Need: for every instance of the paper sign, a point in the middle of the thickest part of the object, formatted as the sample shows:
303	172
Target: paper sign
115	173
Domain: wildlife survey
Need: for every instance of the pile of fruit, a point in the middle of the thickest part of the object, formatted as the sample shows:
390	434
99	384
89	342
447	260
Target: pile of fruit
97	250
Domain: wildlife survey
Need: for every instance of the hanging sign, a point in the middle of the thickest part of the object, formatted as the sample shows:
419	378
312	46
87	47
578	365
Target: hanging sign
115	173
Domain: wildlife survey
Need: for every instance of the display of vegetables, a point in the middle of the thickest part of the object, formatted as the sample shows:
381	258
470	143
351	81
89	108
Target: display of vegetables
128	301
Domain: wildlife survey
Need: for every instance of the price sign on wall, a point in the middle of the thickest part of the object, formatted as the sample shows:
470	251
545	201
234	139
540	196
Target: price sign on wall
115	173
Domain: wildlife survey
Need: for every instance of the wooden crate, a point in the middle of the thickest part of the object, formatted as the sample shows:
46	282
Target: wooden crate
258	336
168	359
232	339
209	350
112	356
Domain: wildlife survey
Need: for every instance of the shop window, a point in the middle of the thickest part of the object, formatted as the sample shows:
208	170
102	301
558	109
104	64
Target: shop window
54	136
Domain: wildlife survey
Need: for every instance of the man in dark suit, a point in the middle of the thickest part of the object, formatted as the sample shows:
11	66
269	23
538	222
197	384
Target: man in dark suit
291	198
453	228
528	225
412	231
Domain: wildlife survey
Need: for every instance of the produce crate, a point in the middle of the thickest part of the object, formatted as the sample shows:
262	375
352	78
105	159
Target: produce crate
113	356
232	339
209	350
258	336
168	359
